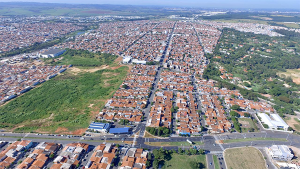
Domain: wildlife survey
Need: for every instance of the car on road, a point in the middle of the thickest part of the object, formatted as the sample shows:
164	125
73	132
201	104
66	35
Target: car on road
210	163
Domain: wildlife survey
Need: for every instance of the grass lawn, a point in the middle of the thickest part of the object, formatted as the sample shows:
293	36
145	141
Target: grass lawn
83	58
148	135
183	143
182	161
297	127
65	103
248	123
216	162
253	139
244	158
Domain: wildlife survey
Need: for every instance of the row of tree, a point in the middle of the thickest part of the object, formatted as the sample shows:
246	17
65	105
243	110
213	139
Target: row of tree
159	131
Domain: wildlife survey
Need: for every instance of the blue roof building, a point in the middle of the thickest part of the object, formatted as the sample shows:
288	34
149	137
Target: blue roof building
124	130
101	127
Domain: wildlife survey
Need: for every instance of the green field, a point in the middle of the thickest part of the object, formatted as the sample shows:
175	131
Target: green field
83	58
244	158
253	139
65	101
182	161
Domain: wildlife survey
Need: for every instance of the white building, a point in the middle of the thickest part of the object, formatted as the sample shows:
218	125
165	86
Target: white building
126	59
52	53
280	152
139	61
274	121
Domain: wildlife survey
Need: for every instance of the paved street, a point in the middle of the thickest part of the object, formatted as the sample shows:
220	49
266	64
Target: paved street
210	161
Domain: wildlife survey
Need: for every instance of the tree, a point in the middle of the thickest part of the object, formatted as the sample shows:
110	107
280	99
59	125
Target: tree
155	163
51	156
247	84
201	151
194	165
234	114
246	114
266	126
235	107
166	131
180	151
148	164
125	86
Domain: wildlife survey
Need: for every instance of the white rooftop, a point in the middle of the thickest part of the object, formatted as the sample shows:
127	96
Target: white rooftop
273	121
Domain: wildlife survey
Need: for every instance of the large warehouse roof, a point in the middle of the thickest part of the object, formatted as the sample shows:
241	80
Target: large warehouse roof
99	126
275	122
119	130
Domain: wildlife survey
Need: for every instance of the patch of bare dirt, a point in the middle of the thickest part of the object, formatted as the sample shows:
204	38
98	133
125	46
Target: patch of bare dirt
119	59
61	130
297	80
79	131
291	122
245	124
77	70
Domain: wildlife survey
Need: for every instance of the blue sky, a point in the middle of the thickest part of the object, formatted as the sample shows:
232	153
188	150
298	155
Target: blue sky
282	4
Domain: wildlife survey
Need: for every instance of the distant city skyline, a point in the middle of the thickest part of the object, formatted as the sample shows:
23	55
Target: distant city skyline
245	4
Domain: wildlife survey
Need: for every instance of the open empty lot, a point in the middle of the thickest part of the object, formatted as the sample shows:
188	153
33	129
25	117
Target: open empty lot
64	104
293	122
293	73
244	158
182	161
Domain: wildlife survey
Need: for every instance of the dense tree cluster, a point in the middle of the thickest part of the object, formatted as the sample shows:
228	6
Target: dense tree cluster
158	131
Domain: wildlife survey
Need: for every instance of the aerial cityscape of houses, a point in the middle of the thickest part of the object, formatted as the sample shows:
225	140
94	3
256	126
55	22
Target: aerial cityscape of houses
164	88
180	46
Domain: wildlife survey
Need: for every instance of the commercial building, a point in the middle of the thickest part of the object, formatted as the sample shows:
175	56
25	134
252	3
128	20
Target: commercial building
100	127
274	121
280	152
124	130
126	59
52	53
139	61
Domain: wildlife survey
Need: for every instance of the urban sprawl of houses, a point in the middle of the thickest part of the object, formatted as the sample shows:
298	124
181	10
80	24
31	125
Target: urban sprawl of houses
180	47
26	154
170	92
